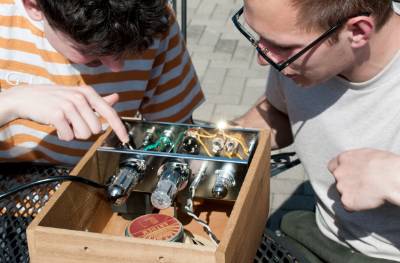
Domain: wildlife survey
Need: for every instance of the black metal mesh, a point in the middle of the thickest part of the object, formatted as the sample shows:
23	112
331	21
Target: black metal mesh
18	210
271	249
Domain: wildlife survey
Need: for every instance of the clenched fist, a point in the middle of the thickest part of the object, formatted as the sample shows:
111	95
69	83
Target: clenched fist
366	178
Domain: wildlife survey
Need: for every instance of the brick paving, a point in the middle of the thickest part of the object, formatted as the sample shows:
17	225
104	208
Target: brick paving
232	81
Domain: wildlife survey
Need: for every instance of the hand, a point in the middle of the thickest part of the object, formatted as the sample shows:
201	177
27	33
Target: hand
73	111
366	178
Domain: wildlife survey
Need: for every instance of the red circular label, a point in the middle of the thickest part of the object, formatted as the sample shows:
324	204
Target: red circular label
156	227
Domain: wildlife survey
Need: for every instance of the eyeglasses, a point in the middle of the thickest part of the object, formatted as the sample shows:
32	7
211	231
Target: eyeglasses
264	51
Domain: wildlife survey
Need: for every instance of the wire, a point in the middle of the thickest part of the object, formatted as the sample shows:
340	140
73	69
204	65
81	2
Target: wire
204	134
152	146
239	156
49	180
204	146
206	227
188	208
178	141
240	141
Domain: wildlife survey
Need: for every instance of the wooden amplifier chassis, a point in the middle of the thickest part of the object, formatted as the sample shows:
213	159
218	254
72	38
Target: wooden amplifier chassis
78	225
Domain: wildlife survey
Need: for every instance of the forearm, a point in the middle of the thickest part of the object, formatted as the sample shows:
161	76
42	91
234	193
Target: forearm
264	116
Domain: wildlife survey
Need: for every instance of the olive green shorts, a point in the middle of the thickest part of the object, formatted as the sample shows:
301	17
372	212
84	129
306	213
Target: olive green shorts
301	233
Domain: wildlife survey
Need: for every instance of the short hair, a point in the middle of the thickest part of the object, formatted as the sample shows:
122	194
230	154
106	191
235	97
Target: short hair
108	27
323	14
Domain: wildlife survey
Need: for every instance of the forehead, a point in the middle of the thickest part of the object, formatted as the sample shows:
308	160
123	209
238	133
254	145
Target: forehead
276	19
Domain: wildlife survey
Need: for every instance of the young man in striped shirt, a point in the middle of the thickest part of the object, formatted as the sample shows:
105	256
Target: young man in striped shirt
66	65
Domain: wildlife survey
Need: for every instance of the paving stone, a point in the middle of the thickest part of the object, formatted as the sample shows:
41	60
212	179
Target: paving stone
286	186
210	89
256	82
294	173
205	112
251	73
214	76
244	53
229	112
226	46
212	56
234	85
252	94
194	33
222	10
209	38
213	25
201	67
205	49
227	99
228	64
206	7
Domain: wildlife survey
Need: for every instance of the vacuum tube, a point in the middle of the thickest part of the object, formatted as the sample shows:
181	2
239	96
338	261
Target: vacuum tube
149	135
217	145
225	180
166	140
130	173
174	176
189	145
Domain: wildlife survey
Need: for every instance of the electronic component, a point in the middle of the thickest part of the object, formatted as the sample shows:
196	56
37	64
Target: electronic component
158	143
198	178
231	146
252	144
166	141
163	144
225	180
173	177
218	144
149	135
130	173
190	145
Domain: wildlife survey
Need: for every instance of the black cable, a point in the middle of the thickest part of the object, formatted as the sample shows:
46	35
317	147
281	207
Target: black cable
52	179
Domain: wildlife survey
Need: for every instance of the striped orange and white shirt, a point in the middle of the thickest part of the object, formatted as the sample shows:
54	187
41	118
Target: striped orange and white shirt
161	84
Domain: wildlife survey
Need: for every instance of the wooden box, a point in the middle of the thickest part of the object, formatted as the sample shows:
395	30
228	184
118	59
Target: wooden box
78	225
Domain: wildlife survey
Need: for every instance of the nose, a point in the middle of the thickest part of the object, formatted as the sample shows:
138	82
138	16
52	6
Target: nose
114	64
272	54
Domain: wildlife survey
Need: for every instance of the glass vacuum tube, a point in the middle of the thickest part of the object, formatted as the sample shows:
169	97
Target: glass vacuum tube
225	180
130	173
174	176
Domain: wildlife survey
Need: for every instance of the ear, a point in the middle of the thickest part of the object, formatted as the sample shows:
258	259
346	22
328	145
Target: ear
360	29
33	10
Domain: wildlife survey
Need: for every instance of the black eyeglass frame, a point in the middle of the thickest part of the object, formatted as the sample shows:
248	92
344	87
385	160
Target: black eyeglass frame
281	66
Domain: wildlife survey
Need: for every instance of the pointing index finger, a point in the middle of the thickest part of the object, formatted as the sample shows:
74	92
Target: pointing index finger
107	112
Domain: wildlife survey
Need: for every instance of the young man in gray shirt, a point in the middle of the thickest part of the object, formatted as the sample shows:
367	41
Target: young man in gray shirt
334	91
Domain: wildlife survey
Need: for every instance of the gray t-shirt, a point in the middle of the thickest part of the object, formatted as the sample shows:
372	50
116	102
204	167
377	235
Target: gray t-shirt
336	116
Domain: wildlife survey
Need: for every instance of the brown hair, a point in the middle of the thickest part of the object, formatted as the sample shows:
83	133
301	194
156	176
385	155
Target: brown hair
322	14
